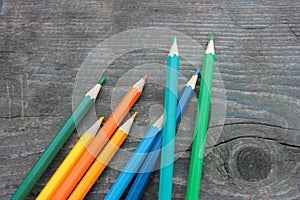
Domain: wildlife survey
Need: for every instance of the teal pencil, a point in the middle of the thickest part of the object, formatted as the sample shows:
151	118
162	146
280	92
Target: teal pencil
168	135
201	123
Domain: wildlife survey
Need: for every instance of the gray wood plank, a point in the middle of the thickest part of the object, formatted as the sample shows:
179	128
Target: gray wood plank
44	44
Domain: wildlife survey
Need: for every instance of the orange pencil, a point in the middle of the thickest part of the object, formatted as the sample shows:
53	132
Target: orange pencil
94	148
102	160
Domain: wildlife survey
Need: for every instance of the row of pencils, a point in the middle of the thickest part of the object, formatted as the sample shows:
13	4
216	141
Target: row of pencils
97	146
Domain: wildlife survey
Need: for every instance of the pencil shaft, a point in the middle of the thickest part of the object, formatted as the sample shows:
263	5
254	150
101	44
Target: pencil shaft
60	173
98	166
68	163
195	171
147	168
58	141
113	121
102	160
132	165
93	149
168	140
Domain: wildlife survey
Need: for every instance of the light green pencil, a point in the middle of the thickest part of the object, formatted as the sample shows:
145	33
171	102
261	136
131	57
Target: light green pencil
58	141
201	123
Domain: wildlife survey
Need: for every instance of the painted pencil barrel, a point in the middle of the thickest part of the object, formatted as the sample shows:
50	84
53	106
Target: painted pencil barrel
63	169
102	160
98	166
168	140
100	140
132	165
69	161
195	171
146	170
61	137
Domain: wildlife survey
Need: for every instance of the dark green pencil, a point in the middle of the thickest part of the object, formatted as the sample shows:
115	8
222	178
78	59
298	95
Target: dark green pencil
58	141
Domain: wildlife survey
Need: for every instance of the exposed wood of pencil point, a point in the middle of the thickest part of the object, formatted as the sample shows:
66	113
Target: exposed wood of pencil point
56	144
127	125
97	144
102	160
200	131
210	47
69	162
174	49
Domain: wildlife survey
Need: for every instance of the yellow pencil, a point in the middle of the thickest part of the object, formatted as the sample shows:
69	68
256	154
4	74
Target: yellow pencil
102	160
69	161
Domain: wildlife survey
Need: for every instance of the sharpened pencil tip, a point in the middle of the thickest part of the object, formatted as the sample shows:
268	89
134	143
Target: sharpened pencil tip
145	77
100	119
192	82
134	115
197	72
127	125
159	123
93	93
174	48
102	80
211	37
174	40
92	131
210	47
140	84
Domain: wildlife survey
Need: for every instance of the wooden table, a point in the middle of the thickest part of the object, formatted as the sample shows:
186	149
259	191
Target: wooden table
255	153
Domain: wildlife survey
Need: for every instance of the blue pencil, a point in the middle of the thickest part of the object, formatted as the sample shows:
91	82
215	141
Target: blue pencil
135	161
168	134
147	168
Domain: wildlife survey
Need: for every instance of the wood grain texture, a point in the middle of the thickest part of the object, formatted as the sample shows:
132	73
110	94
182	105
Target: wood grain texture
43	44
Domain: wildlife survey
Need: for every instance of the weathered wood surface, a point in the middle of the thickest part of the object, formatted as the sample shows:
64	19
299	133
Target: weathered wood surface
257	156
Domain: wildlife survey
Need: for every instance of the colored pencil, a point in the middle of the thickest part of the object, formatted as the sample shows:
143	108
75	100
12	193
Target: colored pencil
168	139
58	141
143	177
69	161
102	160
94	148
198	147
135	161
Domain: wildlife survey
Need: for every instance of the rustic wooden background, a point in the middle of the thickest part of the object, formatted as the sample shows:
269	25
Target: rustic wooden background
257	156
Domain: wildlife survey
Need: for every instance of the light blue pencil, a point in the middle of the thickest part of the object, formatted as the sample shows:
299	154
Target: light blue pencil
143	177
135	161
168	140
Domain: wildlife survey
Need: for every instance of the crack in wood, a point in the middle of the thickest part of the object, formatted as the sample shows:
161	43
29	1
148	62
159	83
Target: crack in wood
255	137
36	116
255	123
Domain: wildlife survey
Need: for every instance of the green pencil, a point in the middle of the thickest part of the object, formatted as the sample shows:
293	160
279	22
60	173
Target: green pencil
201	123
58	141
